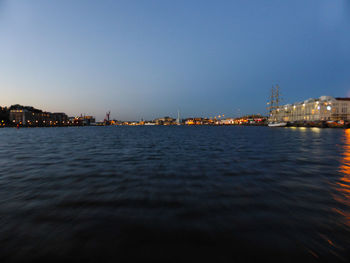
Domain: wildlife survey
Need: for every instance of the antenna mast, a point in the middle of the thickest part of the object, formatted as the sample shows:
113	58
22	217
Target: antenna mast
277	96
271	103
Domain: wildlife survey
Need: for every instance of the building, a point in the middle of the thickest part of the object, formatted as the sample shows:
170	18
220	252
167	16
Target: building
199	121
82	121
325	108
89	120
60	118
29	116
24	116
165	121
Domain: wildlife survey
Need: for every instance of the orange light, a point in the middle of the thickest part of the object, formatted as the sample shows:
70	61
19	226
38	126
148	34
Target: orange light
343	186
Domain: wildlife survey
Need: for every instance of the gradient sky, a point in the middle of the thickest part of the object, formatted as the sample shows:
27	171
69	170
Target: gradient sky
147	59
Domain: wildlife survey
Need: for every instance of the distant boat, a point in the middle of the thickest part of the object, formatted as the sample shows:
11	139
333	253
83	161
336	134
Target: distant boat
277	124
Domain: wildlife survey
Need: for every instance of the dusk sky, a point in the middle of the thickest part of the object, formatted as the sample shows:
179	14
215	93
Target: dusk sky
147	59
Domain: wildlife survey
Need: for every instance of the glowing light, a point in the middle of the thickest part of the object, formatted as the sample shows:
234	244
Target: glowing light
329	107
343	187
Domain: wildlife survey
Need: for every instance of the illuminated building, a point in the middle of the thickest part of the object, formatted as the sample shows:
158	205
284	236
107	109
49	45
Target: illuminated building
88	120
198	121
325	108
165	121
18	116
29	116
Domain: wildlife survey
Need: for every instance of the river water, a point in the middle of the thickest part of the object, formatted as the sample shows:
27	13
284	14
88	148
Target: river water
174	194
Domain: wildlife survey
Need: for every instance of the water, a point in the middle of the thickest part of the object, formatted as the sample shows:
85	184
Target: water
174	194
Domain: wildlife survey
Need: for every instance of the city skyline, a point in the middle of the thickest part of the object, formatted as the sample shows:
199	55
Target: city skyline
147	59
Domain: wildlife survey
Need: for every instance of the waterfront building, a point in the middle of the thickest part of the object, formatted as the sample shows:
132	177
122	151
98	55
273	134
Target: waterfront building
29	116
89	120
149	123
165	121
198	121
82	121
255	119
228	121
23	116
59	118
325	108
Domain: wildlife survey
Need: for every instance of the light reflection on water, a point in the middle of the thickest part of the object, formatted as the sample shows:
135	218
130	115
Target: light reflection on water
343	186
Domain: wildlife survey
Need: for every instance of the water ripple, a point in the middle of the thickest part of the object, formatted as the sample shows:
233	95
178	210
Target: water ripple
174	194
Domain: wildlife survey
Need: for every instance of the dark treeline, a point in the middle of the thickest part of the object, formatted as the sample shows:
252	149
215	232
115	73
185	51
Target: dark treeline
4	115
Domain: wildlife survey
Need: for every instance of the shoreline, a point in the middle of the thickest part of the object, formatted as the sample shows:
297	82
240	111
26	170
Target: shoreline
193	125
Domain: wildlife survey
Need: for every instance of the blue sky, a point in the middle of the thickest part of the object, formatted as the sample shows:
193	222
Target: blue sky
146	59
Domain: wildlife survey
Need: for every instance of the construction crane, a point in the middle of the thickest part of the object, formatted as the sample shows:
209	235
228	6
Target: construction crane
107	118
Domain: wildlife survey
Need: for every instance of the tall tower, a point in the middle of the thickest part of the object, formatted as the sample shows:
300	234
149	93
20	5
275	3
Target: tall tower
178	118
